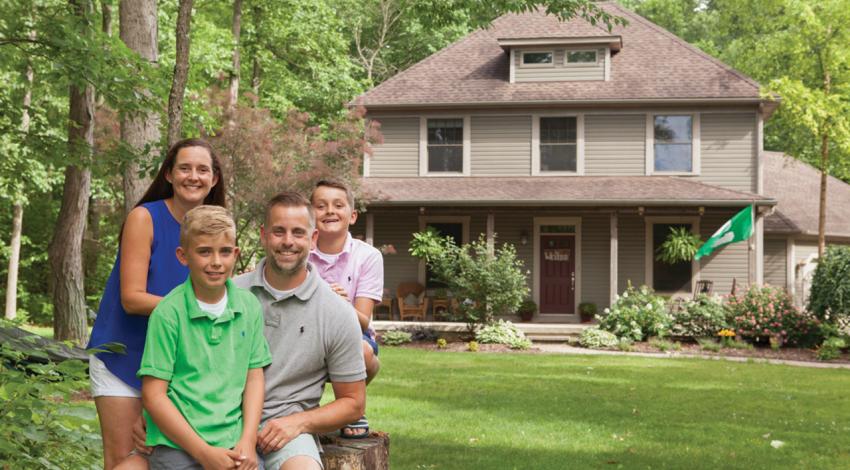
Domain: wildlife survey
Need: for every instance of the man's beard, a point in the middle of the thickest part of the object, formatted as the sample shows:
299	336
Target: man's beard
288	272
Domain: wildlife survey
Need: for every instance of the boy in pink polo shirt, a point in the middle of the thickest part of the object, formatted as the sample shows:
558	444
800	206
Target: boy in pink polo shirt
354	269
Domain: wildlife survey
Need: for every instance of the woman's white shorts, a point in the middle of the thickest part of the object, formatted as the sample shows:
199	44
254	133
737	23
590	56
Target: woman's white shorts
107	384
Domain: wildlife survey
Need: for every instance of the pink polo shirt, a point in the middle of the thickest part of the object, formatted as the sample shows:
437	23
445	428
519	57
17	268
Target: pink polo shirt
359	269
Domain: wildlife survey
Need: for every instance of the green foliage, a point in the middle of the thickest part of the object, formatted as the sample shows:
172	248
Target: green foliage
491	284
395	337
43	424
588	308
625	344
637	314
699	318
595	338
441	343
680	245
710	345
503	332
472	346
768	312
829	297
831	349
664	345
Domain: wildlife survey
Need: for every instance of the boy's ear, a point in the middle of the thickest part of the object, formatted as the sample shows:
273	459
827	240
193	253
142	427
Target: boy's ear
353	217
181	256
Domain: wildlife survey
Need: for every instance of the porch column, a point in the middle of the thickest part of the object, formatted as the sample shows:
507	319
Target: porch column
491	229
612	276
759	248
370	228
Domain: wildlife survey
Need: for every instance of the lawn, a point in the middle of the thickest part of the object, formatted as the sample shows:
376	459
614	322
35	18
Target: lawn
528	411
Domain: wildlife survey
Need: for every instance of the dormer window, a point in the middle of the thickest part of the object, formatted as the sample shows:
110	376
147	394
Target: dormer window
581	57
538	59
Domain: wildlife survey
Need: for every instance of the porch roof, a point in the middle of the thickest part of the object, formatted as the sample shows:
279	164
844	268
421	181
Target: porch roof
555	191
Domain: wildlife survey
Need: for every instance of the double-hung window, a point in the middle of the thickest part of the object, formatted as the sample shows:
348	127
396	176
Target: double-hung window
673	143
558	144
445	145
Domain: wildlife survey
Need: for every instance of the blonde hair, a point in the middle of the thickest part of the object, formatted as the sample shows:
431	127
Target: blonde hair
206	220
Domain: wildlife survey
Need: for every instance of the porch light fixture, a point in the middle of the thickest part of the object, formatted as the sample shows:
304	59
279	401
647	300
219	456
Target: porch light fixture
523	238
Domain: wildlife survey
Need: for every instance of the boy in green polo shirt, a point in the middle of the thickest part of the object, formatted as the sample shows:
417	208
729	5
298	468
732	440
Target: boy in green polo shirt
202	376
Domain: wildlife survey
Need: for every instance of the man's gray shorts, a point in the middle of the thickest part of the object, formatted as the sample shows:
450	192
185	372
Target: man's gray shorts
167	458
304	444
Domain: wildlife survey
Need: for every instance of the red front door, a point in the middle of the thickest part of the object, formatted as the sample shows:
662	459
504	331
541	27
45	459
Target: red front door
557	274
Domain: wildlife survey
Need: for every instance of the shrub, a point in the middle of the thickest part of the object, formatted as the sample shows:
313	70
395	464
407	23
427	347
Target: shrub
765	312
441	343
493	283
830	349
503	332
663	345
625	344
395	337
637	314
594	338
829	297
43	426
421	333
699	318
472	346
709	344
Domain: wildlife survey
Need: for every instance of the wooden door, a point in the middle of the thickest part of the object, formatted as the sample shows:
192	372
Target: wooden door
557	273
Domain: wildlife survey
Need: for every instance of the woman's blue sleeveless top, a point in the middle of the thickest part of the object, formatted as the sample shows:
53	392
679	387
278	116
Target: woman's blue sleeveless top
113	323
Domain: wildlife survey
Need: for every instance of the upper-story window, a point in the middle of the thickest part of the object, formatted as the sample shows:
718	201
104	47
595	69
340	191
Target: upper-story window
581	57
538	59
445	145
673	144
558	143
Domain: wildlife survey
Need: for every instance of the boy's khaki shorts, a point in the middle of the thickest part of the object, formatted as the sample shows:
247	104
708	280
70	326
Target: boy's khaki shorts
304	444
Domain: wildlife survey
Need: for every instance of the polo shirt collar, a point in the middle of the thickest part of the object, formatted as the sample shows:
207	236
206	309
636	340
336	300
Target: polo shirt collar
303	291
344	254
195	310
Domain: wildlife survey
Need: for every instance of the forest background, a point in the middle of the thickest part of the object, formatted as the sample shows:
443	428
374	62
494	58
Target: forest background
95	91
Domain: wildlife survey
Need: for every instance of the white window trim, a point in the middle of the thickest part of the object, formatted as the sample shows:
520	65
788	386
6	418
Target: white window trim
523	65
535	146
512	64
607	64
423	146
595	63
538	222
649	254
695	144
455	219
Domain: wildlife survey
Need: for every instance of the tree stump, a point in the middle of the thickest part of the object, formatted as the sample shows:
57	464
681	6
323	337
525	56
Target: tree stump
370	453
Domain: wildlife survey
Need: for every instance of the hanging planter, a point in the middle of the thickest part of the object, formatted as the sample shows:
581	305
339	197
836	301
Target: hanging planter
681	245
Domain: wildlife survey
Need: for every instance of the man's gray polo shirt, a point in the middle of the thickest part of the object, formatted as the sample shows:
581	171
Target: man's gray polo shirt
313	336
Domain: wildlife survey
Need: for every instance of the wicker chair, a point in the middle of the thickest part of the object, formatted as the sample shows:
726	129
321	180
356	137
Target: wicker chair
405	310
384	307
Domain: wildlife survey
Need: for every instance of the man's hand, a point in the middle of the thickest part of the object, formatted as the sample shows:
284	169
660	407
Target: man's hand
340	291
216	458
247	448
277	433
139	436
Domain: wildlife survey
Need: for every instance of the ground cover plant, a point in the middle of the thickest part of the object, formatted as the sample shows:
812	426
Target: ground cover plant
505	411
503	332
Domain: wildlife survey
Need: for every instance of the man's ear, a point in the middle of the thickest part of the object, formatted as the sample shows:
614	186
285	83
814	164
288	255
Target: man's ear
181	256
314	239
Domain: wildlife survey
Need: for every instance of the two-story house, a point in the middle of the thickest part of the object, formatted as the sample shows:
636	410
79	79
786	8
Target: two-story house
578	145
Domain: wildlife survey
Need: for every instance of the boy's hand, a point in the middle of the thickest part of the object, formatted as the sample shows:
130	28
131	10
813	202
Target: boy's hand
247	448
276	434
139	436
340	291
216	458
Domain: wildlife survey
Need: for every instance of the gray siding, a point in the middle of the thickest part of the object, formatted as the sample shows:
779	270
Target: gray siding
398	155
615	144
595	259
728	150
508	229
631	233
397	229
501	145
775	262
727	263
802	250
559	71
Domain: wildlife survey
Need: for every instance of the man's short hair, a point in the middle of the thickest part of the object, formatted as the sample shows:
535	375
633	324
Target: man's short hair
206	220
334	183
291	199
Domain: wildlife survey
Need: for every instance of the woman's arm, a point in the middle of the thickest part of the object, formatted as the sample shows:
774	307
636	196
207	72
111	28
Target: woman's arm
136	242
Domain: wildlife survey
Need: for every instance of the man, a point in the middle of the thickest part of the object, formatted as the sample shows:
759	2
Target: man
313	335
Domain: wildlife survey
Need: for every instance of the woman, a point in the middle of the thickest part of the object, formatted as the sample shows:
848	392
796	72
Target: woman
146	269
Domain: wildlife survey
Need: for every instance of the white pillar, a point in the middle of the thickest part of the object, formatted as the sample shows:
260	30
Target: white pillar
491	233
613	280
370	228
760	249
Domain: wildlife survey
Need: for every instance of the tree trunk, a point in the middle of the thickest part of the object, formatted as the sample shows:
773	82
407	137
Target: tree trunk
824	171
256	69
234	74
18	210
138	30
181	73
65	252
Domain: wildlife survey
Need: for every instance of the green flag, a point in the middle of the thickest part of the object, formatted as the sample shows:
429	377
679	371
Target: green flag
736	229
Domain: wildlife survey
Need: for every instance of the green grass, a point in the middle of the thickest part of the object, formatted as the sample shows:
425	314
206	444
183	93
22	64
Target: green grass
43	331
465	411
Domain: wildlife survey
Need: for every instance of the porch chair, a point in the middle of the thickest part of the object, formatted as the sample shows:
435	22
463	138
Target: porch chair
412	301
386	304
703	287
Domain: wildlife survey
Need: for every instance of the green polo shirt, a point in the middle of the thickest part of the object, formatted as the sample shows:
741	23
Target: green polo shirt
205	361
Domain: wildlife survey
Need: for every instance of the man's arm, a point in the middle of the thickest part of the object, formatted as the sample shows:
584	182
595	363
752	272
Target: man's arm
252	408
172	423
348	406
